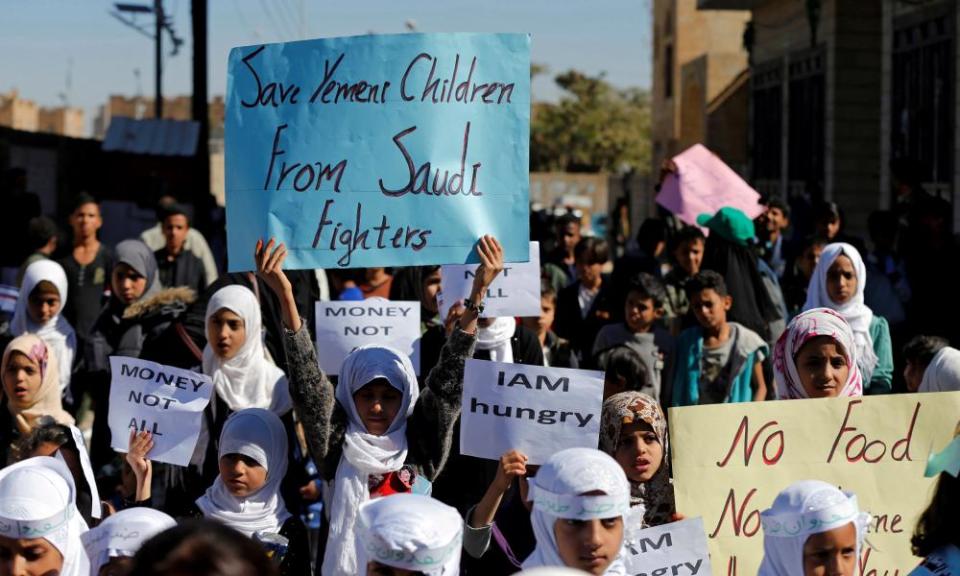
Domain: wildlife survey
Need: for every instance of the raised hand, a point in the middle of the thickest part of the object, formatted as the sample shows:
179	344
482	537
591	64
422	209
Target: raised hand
270	266
140	445
513	464
491	263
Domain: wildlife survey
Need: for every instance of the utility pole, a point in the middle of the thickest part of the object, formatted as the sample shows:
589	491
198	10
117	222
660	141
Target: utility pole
158	59
200	101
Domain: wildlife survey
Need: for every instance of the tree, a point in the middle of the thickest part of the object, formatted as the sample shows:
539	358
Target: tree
593	128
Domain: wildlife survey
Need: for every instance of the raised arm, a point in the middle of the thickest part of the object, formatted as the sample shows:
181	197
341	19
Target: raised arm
311	391
438	408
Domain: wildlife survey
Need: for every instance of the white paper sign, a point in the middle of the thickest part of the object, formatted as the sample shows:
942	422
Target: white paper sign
165	401
515	292
533	409
677	549
343	326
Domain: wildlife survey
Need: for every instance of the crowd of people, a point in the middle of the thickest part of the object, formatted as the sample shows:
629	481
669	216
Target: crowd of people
297	472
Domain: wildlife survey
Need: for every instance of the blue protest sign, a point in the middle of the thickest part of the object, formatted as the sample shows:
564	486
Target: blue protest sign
379	150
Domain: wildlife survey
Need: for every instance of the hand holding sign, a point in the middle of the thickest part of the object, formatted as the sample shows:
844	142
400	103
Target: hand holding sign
491	264
140	445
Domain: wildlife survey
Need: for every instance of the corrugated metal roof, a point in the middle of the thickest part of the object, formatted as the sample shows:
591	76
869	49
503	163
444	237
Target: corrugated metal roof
155	137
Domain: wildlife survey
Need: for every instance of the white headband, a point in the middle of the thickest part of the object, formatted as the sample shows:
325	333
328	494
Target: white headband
577	507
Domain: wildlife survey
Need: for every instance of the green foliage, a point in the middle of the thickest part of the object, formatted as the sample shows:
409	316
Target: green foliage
593	128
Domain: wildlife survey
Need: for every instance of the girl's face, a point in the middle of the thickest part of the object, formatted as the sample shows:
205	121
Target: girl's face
841	280
378	404
831	553
639	452
913	375
29	557
242	475
822	365
21	379
431	285
226	333
589	545
43	304
127	283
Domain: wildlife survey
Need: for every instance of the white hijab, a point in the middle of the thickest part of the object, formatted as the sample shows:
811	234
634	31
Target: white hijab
856	313
943	372
38	500
496	338
257	434
559	485
363	453
410	532
122	534
248	380
56	332
804	508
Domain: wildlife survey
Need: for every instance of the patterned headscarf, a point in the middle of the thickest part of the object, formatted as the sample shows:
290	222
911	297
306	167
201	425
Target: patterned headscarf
807	325
46	401
655	495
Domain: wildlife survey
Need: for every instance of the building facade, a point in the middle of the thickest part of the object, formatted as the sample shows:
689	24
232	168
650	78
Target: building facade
18	113
699	81
846	96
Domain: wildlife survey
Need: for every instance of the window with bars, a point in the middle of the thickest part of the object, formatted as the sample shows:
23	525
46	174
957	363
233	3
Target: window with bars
806	144
767	121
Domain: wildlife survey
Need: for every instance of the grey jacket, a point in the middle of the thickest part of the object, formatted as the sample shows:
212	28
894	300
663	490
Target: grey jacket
429	428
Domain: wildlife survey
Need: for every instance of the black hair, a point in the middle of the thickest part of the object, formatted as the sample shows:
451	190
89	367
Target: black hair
827	210
882	223
83	199
649	288
625	362
173	209
46	432
547	290
202	548
707	280
688	234
937	526
921	349
595	250
566	219
779	204
39	231
653	231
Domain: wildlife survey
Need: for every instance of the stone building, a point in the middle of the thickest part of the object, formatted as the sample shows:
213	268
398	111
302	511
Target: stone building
841	90
699	83
62	120
17	113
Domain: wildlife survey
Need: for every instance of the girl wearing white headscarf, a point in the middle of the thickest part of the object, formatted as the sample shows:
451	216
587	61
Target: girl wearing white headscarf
257	435
494	336
801	511
587	485
404	454
815	323
56	331
410	532
871	332
943	372
118	538
37	498
248	379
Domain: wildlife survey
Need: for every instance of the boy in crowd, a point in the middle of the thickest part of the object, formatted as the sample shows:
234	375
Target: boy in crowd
640	331
176	265
770	227
557	351
584	307
717	361
689	244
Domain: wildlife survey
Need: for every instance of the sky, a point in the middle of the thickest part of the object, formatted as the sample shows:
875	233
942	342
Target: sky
56	51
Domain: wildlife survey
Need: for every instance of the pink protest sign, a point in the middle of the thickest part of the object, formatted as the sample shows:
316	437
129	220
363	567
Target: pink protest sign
703	184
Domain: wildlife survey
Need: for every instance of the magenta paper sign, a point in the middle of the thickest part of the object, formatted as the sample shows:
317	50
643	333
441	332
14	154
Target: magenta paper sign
703	184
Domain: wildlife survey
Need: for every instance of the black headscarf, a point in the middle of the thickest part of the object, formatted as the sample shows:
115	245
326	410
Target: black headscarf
752	306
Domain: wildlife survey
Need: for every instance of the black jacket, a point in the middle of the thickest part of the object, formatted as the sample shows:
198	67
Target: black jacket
582	331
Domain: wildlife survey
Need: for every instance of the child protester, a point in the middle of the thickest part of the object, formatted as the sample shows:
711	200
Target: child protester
639	330
580	499
937	535
717	361
557	351
408	534
932	365
817	357
43	295
838	282
112	544
31	390
37	499
377	433
812	528
633	430
688	247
